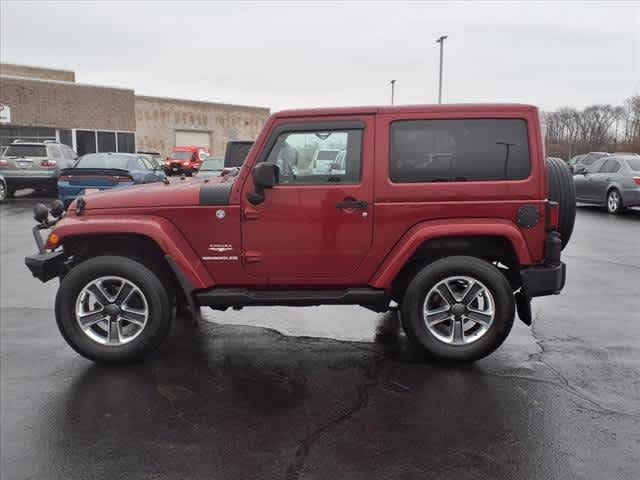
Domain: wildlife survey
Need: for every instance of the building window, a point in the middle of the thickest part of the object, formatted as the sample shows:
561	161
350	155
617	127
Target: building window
27	134
106	141
66	137
126	142
85	141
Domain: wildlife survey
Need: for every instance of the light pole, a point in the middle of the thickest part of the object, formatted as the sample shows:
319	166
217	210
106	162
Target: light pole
441	42
393	85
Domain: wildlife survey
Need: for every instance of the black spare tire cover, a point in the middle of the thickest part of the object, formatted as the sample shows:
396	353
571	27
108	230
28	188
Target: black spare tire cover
563	191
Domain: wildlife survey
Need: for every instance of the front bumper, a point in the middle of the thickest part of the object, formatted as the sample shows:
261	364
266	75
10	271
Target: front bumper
178	168
45	266
543	280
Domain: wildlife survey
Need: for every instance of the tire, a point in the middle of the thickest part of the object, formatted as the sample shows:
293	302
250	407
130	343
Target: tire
479	340
101	342
562	190
615	205
3	191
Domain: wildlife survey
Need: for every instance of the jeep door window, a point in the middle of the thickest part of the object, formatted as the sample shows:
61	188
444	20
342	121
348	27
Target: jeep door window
459	150
332	156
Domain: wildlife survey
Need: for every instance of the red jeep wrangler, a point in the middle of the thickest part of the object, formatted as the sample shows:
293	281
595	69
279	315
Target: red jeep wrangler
449	212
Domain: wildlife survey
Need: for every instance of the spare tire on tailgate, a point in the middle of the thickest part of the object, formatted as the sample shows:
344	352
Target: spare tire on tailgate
563	191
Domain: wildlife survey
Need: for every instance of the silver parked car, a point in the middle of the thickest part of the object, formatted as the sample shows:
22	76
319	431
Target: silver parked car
612	182
34	164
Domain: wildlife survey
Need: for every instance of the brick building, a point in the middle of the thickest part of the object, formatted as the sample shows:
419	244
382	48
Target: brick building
41	103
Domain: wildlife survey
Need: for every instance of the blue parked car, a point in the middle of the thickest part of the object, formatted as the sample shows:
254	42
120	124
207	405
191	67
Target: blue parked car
102	171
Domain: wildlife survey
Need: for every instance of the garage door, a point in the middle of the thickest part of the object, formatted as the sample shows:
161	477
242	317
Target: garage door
197	139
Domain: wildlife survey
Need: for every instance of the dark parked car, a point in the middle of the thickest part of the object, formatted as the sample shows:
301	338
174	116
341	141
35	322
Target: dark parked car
34	164
101	171
612	182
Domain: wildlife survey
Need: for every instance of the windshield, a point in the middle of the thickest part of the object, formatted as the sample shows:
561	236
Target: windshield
181	155
212	164
634	164
152	160
26	151
101	160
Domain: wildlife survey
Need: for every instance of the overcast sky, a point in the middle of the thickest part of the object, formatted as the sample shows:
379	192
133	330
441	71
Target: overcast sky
294	54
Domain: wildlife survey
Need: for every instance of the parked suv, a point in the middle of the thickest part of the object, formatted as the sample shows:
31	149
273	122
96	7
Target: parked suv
34	164
449	212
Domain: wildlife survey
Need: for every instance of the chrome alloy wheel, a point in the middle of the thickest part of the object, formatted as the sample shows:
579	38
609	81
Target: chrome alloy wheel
613	201
112	310
459	310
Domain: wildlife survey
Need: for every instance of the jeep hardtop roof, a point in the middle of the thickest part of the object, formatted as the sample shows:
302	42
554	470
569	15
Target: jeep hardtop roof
400	109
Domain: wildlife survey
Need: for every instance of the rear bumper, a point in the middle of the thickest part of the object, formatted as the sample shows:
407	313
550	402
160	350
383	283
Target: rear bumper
543	280
45	266
21	179
631	198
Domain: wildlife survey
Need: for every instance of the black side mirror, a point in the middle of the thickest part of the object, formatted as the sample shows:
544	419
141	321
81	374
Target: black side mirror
580	170
265	175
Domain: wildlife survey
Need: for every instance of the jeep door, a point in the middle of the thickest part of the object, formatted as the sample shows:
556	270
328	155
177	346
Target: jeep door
312	225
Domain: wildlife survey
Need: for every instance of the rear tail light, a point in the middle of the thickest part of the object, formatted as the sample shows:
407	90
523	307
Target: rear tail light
553	215
636	180
48	163
4	162
122	178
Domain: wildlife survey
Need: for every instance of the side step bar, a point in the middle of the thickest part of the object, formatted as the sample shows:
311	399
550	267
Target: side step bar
223	298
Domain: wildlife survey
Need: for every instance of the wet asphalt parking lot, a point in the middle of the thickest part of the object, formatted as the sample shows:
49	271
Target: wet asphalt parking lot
307	393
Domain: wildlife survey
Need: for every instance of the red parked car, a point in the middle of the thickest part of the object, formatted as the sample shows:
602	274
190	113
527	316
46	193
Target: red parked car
185	159
449	212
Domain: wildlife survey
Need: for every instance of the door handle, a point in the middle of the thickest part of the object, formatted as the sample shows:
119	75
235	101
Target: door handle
352	204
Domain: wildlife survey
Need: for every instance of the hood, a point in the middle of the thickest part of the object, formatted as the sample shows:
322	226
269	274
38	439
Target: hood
178	194
151	195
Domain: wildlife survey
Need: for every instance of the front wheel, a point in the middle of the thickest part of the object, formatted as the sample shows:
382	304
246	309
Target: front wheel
112	309
458	308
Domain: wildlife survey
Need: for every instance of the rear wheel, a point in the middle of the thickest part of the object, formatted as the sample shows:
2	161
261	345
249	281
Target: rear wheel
3	191
614	202
112	309
458	308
